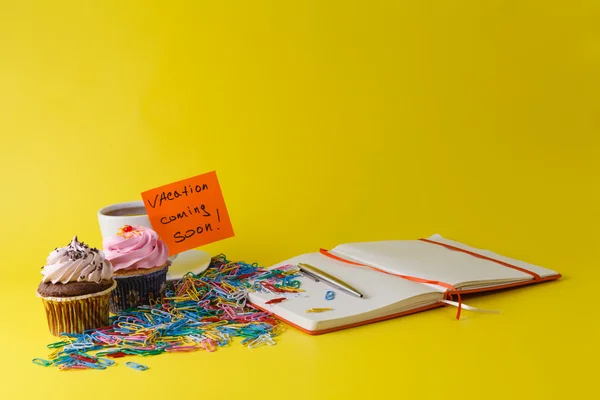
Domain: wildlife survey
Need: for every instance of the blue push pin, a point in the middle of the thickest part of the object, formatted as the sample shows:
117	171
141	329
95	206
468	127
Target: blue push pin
329	295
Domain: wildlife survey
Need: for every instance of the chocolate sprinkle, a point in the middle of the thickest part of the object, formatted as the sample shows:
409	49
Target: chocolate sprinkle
77	250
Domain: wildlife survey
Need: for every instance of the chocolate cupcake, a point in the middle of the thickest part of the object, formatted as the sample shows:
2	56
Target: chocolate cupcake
139	259
76	288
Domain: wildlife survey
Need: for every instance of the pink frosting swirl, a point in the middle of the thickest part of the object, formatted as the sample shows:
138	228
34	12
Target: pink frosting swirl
135	247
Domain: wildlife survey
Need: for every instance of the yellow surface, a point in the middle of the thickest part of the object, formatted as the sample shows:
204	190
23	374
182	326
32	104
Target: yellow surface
327	122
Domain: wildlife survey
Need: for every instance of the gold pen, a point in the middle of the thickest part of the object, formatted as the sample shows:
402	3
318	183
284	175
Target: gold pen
318	275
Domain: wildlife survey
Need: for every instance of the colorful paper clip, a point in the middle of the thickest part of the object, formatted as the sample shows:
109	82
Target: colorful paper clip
42	362
318	310
330	295
92	365
105	362
183	349
276	300
62	360
208	345
115	354
84	359
56	345
135	365
262	339
289	281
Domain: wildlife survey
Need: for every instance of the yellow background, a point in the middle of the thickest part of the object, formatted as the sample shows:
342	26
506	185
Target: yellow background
327	122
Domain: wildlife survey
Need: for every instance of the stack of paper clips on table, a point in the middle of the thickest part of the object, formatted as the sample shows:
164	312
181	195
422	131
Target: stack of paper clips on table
199	312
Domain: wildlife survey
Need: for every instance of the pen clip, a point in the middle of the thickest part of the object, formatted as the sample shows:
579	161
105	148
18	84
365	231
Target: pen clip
309	274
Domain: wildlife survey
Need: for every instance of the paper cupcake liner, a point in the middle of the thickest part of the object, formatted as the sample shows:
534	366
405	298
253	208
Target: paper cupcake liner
136	290
79	313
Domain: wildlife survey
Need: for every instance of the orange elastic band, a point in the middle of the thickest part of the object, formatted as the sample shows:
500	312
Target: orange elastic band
448	294
536	277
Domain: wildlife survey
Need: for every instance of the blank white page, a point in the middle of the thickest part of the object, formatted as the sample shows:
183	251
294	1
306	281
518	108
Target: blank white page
379	291
434	262
541	271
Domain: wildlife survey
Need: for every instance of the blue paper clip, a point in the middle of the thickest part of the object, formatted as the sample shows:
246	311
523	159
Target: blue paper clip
135	365
92	365
105	361
330	295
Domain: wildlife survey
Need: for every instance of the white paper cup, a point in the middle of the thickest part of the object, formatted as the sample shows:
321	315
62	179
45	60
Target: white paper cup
110	224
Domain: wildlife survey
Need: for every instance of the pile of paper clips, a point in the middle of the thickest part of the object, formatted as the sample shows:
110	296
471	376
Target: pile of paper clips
199	312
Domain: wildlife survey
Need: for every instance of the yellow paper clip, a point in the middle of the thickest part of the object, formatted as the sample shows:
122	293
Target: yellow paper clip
54	354
229	287
211	335
291	271
192	294
66	339
176	298
277	329
315	310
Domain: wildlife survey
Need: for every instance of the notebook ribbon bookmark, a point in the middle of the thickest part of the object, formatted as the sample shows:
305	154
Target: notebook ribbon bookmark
467	307
535	276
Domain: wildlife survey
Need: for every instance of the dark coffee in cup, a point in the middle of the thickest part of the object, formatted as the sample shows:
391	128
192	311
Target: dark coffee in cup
115	216
126	212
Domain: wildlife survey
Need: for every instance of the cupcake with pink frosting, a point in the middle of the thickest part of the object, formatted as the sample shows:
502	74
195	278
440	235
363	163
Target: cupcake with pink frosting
140	262
75	289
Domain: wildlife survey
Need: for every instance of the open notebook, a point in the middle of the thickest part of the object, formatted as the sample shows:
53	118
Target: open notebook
396	277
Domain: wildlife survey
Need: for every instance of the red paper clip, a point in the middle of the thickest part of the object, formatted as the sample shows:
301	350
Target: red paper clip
83	358
271	287
117	354
73	367
276	300
244	276
288	290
